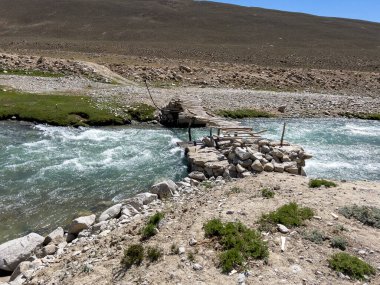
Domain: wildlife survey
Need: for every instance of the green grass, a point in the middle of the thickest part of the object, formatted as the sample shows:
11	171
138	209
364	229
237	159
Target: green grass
134	255
244	113
316	183
350	265
150	229
368	116
141	112
266	193
58	110
238	242
38	73
369	216
153	254
289	215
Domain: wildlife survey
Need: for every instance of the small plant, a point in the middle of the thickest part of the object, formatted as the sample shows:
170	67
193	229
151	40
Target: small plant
207	184
289	215
234	190
369	216
151	228
350	265
266	193
314	236
230	259
238	242
339	242
134	255
316	183
174	249
153	254
191	256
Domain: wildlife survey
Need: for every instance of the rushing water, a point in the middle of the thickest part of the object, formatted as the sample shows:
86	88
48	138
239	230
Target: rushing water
49	174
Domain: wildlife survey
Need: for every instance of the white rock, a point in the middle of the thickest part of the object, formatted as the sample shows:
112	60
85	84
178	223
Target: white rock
110	213
197	267
164	189
257	166
282	229
13	252
55	237
192	242
268	167
81	223
241	279
240	168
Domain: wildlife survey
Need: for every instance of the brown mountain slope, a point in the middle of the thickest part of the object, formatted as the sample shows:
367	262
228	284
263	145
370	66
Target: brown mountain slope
189	29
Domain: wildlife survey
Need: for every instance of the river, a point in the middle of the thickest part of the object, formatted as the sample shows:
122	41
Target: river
50	174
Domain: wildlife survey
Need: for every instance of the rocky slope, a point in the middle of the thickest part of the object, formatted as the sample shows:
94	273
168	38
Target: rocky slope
95	256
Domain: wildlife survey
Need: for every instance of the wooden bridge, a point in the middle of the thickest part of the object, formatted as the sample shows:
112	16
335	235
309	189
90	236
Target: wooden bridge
189	112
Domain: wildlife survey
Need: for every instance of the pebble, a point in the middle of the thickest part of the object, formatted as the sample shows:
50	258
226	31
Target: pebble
241	279
282	229
197	267
192	242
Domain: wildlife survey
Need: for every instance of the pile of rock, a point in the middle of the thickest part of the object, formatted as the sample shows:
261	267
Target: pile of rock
22	257
9	62
240	158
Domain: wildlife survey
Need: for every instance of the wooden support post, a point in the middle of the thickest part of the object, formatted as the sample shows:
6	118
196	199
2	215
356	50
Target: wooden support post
189	130
210	132
283	133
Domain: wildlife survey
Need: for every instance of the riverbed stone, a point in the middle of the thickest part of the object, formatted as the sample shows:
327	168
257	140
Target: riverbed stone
110	213
278	167
164	189
292	170
239	168
242	153
55	237
81	223
13	252
197	175
268	167
245	163
49	249
146	198
257	166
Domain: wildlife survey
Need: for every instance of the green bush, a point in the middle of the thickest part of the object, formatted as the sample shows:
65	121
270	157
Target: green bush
244	113
314	236
266	193
150	229
230	259
316	183
350	265
289	215
369	216
238	242
339	242
134	255
153	253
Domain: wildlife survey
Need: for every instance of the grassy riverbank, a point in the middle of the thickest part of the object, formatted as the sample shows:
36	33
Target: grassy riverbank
38	73
58	110
244	113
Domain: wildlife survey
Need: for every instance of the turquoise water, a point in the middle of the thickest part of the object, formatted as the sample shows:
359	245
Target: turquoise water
342	148
49	174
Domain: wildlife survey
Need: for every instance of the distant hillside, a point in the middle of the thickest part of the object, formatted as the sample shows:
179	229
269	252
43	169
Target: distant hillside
189	29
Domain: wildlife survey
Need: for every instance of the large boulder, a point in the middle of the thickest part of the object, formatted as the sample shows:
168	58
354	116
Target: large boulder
13	252
164	189
56	237
110	213
197	175
257	166
242	154
268	167
81	223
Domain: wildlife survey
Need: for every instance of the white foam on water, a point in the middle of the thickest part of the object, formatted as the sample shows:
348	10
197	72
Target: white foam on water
371	131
